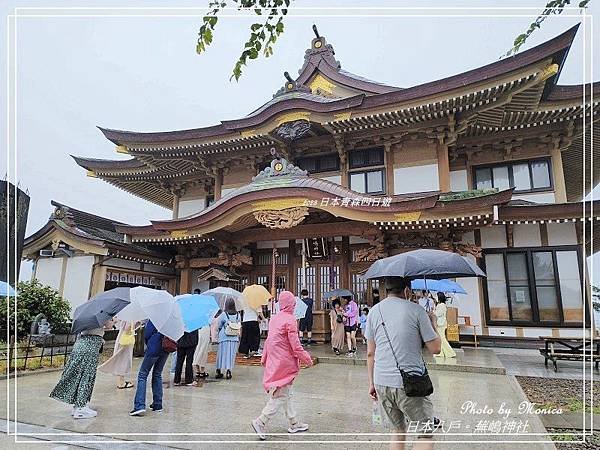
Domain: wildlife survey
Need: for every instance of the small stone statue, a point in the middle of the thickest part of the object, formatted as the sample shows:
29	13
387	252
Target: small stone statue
44	327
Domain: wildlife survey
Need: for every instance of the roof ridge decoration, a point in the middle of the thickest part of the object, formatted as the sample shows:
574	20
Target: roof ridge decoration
280	167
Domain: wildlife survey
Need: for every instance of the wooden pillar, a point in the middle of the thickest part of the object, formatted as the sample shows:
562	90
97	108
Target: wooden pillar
98	278
339	146
218	183
63	274
175	206
291	284
558	176
443	167
185	279
389	168
480	281
345	266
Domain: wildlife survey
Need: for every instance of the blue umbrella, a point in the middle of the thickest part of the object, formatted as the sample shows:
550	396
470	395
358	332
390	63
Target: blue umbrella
452	286
6	290
437	285
196	310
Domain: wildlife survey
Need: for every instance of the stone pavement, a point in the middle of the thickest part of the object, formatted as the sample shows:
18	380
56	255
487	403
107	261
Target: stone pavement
331	398
529	362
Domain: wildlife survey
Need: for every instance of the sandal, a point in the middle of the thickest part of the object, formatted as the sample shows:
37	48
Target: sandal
193	384
127	385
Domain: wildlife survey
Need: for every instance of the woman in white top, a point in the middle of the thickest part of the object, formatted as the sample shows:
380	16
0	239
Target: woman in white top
440	312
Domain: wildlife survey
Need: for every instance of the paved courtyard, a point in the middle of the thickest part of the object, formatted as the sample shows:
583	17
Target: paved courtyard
332	398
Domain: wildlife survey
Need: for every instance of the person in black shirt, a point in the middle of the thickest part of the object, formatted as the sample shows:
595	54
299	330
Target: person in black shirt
306	323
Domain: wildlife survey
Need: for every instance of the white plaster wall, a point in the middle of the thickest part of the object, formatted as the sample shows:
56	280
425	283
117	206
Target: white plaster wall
468	305
527	235
337	179
78	277
536	332
493	237
416	179
539	197
574	332
191	206
196	284
458	180
502	331
269	244
48	271
561	234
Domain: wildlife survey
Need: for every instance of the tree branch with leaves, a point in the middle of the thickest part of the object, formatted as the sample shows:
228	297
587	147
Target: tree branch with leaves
553	7
263	35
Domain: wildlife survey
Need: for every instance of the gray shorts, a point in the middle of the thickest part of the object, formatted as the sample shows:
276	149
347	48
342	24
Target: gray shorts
398	408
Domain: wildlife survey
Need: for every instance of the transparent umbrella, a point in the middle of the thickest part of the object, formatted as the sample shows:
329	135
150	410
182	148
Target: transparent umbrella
221	294
156	305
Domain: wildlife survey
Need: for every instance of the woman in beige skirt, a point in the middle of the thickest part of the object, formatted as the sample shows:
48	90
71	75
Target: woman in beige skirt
201	353
337	327
119	364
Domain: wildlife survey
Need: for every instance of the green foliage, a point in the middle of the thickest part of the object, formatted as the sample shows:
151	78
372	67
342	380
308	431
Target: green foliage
263	35
33	299
553	7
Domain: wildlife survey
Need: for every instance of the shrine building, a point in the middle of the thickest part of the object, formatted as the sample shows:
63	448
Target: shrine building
337	171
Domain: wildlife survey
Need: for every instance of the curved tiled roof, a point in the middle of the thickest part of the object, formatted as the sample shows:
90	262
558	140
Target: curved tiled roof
378	95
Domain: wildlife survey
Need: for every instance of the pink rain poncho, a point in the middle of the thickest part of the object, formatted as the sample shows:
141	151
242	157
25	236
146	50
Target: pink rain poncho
283	353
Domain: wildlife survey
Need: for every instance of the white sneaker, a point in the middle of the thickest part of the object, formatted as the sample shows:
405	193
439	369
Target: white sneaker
259	428
297	427
91	411
82	413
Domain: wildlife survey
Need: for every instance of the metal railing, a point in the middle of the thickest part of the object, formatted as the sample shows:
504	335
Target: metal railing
40	350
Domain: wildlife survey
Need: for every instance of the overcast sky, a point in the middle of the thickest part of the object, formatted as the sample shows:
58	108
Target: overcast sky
142	74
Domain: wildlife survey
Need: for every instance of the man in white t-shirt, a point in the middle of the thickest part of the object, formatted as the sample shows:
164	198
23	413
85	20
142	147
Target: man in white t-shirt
407	325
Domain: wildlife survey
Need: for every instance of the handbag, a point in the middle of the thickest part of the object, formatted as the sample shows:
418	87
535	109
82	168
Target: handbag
339	318
232	328
168	344
127	338
415	384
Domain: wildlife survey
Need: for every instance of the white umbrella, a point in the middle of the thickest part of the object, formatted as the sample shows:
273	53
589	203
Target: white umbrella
157	305
300	309
221	294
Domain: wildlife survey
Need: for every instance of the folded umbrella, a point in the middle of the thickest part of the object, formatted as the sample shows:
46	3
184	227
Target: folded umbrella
6	290
337	293
100	309
428	263
197	310
221	294
256	295
158	306
300	309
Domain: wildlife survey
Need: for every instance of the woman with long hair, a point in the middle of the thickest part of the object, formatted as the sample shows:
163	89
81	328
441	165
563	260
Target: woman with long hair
336	317
119	364
440	312
229	337
77	381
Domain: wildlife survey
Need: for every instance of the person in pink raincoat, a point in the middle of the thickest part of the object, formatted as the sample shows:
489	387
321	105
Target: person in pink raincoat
281	359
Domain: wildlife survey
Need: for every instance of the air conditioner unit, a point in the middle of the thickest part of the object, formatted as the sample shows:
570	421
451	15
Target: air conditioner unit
47	253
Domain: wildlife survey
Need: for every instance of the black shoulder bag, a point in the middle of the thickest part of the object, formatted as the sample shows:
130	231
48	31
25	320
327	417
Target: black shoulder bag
415	384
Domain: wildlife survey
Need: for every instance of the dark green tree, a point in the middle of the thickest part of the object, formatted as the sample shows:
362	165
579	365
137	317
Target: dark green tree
33	299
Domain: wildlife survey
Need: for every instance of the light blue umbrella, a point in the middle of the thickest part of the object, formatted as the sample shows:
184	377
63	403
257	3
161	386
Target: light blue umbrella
197	310
437	285
6	290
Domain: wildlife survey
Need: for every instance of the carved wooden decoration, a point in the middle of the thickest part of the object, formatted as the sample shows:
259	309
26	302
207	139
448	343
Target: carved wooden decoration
285	218
376	249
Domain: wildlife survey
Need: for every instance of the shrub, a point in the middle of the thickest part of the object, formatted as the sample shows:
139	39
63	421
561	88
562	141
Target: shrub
33	299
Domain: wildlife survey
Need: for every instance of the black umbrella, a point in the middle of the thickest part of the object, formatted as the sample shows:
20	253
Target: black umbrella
100	309
338	293
424	263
